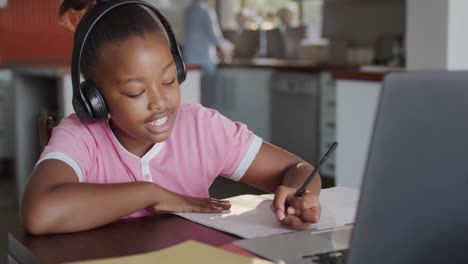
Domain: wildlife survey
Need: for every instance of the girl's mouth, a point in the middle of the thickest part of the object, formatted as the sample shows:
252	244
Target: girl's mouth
159	122
158	126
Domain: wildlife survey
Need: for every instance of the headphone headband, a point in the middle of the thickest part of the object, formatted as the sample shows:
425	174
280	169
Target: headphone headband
82	32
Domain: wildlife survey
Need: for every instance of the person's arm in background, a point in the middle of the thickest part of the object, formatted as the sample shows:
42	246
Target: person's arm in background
282	173
56	202
213	30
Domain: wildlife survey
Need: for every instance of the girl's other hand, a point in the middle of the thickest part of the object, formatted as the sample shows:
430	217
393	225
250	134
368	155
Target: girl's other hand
296	213
185	204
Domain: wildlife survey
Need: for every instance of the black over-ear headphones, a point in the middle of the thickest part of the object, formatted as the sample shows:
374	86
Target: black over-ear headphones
88	102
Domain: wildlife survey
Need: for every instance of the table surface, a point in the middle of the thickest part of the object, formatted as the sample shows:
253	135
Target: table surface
124	237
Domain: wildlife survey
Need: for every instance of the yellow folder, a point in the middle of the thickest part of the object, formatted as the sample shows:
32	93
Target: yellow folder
187	252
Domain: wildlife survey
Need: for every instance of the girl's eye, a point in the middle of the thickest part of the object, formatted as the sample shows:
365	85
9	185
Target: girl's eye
169	83
135	95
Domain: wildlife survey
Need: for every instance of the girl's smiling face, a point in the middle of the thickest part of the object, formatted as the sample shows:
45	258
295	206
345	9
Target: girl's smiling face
138	79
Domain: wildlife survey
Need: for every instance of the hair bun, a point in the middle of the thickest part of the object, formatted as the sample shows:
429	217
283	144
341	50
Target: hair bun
79	7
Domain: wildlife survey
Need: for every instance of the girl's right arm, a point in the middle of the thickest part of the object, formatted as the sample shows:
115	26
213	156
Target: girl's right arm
55	202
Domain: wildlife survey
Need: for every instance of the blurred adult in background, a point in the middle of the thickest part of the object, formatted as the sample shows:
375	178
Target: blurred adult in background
291	35
244	37
285	17
204	45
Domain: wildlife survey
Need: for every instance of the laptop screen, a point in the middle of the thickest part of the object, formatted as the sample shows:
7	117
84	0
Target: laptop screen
413	206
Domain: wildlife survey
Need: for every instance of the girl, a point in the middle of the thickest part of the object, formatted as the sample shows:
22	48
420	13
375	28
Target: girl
152	154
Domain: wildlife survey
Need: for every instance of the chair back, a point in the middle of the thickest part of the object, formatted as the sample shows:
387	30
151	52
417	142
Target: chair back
46	124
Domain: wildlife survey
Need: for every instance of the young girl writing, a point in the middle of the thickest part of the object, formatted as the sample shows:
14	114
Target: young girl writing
149	153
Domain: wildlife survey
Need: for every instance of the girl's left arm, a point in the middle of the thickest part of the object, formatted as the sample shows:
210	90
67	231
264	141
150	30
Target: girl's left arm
277	171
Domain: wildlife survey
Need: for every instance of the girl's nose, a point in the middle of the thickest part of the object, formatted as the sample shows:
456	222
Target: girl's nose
157	99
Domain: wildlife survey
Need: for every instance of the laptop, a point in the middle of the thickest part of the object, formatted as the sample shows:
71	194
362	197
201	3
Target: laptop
413	206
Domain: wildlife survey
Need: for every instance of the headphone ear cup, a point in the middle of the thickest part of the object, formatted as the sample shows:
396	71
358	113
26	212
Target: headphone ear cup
181	69
95	100
81	106
89	104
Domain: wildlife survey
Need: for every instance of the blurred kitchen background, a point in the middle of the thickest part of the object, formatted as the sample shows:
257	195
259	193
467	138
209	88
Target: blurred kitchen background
320	31
300	74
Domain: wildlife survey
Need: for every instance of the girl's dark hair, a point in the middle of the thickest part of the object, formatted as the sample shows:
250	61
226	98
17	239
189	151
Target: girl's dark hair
117	25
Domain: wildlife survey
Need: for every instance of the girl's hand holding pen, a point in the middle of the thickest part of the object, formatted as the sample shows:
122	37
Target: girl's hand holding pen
299	208
296	213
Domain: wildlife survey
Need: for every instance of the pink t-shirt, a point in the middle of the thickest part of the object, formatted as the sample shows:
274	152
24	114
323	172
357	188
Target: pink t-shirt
203	144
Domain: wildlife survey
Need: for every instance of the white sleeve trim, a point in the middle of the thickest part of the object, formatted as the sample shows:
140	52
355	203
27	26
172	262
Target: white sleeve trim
65	158
248	158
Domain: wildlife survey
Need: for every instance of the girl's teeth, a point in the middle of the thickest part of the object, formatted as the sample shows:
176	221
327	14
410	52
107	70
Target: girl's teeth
159	122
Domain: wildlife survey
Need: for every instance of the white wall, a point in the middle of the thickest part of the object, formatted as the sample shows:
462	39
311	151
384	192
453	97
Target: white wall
457	57
436	36
426	34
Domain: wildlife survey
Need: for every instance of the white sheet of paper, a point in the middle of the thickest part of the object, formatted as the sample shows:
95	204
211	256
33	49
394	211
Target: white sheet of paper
250	215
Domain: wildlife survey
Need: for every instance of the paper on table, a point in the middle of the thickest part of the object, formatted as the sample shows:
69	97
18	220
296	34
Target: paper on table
250	215
186	252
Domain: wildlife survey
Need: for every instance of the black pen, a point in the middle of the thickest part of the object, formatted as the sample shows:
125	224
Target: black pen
303	188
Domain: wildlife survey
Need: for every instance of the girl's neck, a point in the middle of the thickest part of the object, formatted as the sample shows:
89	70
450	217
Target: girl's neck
136	147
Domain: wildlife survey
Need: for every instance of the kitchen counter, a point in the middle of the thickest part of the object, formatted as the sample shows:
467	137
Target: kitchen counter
365	73
347	72
61	67
358	75
285	65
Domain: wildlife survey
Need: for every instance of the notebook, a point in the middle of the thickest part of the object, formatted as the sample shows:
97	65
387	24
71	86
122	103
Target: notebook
250	215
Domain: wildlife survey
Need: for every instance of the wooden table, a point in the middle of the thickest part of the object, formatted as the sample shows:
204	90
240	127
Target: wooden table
125	237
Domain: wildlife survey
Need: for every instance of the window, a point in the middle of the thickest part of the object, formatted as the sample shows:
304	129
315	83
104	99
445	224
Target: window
304	11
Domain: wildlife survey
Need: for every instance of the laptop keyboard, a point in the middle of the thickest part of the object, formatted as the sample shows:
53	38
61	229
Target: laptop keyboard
334	257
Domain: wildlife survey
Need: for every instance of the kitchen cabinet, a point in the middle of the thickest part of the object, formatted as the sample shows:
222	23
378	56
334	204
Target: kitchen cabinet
190	91
304	111
281	106
356	108
295	113
243	94
35	93
327	121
